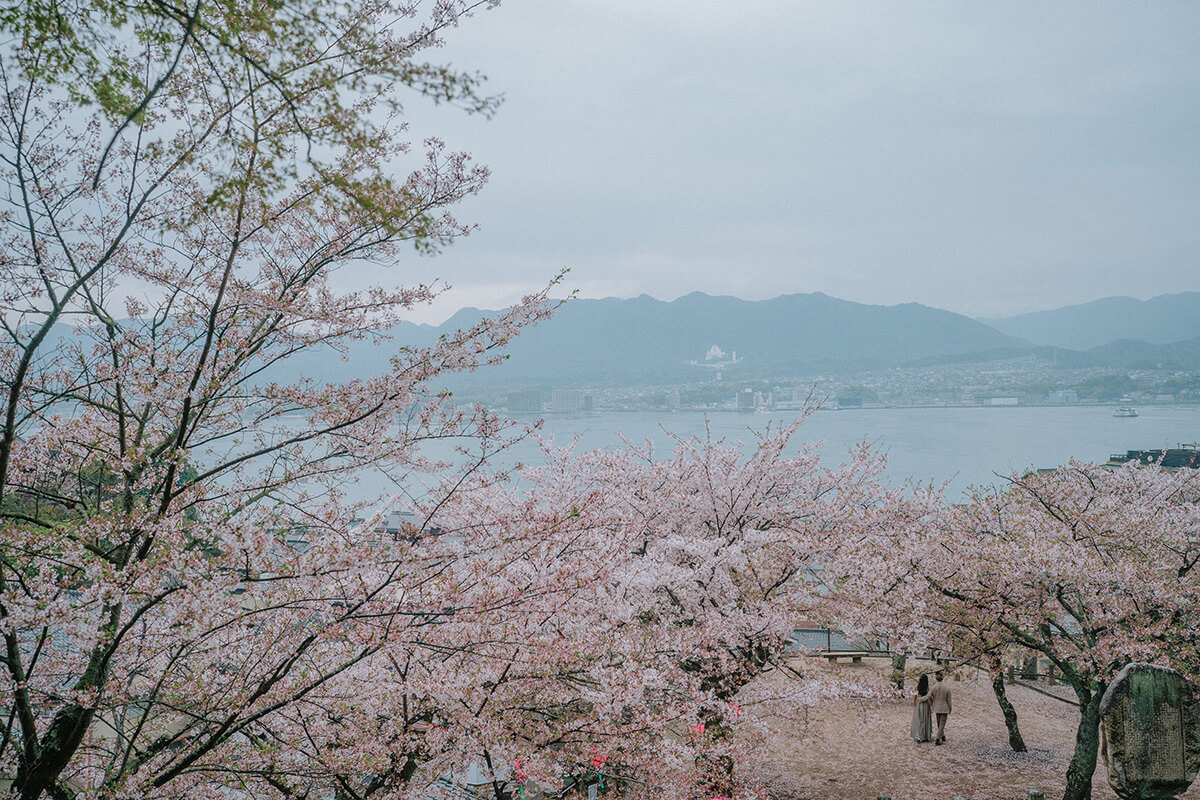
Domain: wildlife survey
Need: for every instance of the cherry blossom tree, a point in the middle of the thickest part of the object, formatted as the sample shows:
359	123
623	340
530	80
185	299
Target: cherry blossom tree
184	601
719	549
1084	566
874	589
1088	567
193	600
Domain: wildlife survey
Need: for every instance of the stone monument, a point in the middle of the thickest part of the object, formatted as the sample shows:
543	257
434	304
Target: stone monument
1151	733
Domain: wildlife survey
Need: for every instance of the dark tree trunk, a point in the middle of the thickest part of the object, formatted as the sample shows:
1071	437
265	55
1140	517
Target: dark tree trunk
499	788
899	661
67	729
57	746
1015	740
1087	745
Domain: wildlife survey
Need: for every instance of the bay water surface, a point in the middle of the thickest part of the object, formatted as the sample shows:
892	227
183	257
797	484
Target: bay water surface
961	446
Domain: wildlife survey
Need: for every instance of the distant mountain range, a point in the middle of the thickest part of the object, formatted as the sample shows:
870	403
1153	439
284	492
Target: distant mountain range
646	341
1160	320
1128	354
643	341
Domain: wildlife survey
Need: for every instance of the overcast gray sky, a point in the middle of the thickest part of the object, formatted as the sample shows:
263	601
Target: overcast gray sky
985	157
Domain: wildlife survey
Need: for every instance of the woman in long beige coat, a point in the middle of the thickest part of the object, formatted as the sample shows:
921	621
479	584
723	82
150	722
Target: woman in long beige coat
922	719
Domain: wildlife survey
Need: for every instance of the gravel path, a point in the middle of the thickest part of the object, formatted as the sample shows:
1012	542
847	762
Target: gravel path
857	750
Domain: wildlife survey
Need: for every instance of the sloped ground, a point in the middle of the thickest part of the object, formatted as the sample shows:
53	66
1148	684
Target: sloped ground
858	750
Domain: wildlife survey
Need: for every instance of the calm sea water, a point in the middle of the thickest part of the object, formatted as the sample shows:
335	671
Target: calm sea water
962	446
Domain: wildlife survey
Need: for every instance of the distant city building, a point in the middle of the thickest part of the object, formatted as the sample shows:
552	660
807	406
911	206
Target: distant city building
566	400
1063	396
745	400
672	401
527	401
1001	401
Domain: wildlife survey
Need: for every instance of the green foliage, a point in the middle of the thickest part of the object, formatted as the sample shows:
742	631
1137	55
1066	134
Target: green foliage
705	395
85	47
322	74
1181	383
867	394
1105	387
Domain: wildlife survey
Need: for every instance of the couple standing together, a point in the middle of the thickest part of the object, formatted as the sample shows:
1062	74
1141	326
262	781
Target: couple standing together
930	701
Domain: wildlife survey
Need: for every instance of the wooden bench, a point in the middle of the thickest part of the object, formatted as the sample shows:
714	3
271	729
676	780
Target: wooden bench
855	656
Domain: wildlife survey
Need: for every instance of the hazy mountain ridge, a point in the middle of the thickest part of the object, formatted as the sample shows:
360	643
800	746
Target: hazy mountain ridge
612	341
1129	354
643	341
1161	320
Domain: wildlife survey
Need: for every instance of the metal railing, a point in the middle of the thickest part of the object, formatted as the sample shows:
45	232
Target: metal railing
832	640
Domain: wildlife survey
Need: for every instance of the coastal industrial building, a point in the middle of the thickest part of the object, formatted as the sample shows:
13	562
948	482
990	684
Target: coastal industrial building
526	401
570	400
1186	455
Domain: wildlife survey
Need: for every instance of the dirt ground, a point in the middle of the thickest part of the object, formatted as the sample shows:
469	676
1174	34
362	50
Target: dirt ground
858	750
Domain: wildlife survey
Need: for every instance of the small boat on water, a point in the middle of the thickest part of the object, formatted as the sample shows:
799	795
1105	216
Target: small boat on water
1125	411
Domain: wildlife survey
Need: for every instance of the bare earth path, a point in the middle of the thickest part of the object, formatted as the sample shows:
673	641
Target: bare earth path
853	750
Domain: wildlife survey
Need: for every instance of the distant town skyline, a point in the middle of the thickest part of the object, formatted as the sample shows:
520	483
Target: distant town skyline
988	159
